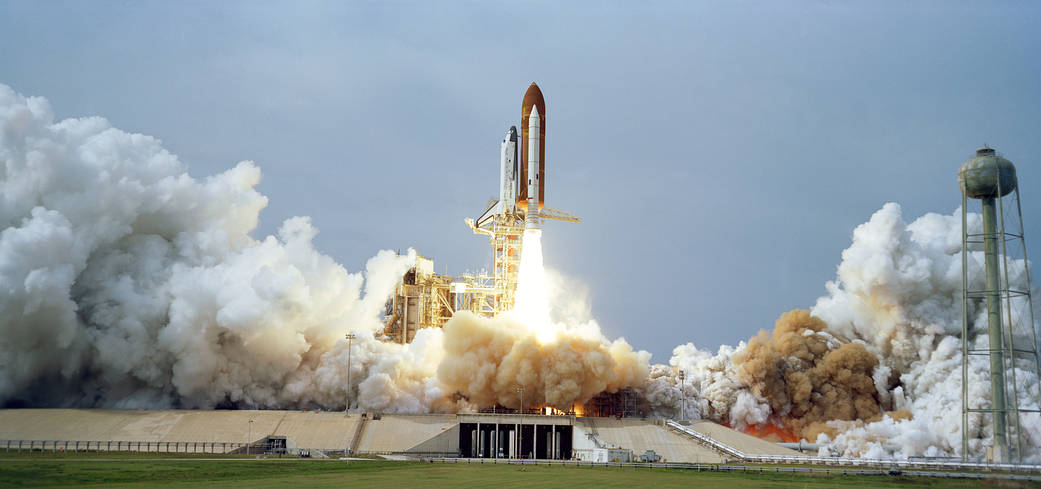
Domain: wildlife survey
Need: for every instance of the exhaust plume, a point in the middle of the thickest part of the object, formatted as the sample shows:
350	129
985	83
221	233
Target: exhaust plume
487	360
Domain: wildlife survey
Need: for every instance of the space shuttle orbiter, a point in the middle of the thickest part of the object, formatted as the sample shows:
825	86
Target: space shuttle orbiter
522	169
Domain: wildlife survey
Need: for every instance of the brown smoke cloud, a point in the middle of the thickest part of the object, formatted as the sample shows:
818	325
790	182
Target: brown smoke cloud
487	360
806	379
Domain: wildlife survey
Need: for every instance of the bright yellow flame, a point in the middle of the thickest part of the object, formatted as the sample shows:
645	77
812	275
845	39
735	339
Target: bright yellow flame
531	304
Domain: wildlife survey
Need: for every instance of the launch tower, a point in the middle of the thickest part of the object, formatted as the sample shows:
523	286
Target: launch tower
425	299
997	304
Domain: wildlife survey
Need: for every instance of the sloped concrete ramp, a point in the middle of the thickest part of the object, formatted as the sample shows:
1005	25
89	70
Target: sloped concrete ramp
395	433
321	430
324	430
640	435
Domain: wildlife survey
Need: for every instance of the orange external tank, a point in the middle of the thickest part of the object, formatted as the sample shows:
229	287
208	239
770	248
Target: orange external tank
532	98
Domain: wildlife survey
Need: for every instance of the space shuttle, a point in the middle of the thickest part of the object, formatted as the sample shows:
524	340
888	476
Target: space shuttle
522	169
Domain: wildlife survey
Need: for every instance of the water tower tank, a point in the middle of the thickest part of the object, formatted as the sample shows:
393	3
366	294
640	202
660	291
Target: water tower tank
981	175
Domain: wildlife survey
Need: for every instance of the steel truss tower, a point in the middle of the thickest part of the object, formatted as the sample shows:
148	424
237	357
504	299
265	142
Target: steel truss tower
997	312
506	230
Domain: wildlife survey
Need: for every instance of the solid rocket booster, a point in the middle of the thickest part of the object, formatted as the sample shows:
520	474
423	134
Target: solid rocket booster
508	171
532	216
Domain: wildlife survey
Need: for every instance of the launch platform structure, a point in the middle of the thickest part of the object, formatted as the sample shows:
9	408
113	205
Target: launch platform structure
506	230
997	311
521	205
425	299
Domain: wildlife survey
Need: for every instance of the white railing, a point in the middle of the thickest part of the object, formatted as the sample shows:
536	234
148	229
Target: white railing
751	469
842	461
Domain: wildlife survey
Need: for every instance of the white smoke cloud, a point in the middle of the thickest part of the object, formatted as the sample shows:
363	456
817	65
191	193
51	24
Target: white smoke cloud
128	283
899	289
898	292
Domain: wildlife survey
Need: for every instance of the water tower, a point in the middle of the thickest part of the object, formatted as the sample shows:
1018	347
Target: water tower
997	313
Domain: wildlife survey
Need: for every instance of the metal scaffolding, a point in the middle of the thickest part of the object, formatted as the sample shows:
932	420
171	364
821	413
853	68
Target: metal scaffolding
506	231
423	299
626	403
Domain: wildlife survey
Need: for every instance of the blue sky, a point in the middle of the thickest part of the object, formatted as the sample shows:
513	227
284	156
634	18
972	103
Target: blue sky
720	153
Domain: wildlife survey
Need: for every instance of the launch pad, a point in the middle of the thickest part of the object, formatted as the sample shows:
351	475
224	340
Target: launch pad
325	433
425	299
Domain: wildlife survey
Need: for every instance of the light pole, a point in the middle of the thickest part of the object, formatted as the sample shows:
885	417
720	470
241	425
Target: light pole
350	342
683	397
520	434
249	436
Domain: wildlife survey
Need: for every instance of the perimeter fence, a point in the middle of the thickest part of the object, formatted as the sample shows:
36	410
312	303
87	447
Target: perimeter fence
731	468
86	446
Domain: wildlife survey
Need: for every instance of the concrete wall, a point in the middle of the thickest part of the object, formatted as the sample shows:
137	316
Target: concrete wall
444	444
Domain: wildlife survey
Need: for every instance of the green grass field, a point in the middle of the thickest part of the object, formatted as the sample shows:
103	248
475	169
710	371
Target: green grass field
143	471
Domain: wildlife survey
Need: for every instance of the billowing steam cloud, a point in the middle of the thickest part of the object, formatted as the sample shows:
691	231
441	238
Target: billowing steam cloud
805	376
487	360
125	282
874	368
899	290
